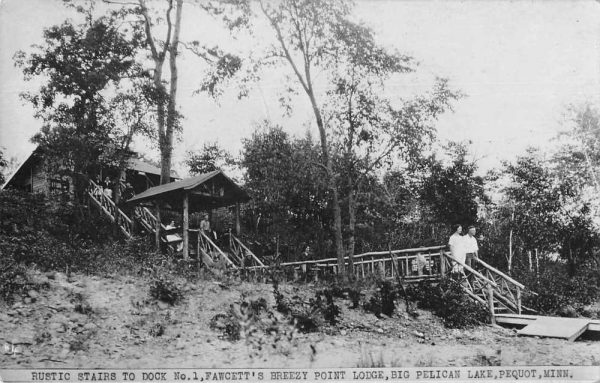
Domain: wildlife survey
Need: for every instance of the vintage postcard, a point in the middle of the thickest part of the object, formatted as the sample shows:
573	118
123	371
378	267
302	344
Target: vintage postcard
276	190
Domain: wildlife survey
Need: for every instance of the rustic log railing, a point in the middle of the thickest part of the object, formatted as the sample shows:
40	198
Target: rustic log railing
490	286
107	205
244	256
211	254
415	264
147	219
483	283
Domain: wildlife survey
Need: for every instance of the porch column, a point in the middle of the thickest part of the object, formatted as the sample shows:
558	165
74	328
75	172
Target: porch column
237	219
186	225
158	225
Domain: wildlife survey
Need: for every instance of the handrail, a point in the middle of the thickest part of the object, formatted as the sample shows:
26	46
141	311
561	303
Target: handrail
212	244
241	244
374	253
413	250
471	270
500	273
110	208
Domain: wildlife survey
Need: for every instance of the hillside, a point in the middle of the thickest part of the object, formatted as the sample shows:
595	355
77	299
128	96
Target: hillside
91	321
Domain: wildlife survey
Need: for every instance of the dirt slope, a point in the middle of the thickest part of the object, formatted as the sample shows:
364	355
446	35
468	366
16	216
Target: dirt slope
85	321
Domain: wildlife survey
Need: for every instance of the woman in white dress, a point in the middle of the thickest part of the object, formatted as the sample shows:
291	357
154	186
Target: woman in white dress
457	248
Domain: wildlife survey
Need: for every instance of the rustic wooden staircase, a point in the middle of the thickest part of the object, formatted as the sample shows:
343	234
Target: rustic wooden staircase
243	256
489	286
105	204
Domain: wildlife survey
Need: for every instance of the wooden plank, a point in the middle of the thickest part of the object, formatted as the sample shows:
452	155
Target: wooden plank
565	328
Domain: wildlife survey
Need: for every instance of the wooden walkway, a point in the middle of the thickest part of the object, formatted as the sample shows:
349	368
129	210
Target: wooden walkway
547	326
490	287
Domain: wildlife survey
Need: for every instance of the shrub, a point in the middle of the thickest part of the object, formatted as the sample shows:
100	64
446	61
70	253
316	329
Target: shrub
164	288
557	293
383	301
330	310
448	301
13	281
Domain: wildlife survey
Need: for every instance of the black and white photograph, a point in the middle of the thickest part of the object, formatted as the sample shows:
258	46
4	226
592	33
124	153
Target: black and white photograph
336	189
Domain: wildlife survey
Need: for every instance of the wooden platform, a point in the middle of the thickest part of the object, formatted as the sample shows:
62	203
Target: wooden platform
565	328
545	326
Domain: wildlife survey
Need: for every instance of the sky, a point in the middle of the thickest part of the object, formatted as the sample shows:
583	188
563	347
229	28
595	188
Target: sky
519	63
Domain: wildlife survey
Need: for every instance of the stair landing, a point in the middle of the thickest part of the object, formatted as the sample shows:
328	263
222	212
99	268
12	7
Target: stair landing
556	327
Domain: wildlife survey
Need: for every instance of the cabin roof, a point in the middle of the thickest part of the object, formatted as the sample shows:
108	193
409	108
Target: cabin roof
134	164
208	190
145	167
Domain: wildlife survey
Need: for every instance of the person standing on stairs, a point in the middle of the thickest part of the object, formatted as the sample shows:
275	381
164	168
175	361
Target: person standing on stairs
471	248
456	247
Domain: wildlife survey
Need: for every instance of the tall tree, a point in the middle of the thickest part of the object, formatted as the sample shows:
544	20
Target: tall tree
550	211
454	191
210	158
166	100
304	31
81	66
289	195
319	39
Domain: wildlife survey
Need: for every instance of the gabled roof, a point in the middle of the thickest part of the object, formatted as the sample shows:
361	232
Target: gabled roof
145	167
134	164
174	191
30	158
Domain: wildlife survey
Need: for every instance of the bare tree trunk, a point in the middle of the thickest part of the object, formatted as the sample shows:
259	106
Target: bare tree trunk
306	82
167	149
510	251
351	230
537	263
165	109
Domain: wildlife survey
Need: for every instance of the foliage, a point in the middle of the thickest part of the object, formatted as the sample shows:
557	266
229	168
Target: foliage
383	301
448	301
163	287
210	158
324	300
81	65
54	235
307	316
454	191
289	197
550	210
557	293
13	280
3	165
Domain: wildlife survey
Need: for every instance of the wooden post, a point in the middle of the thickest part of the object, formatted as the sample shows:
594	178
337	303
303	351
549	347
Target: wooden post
442	263
157	227
186	225
490	293
518	300
237	219
529	258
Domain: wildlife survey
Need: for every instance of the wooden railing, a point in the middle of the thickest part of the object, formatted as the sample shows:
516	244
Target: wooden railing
482	282
414	264
243	255
211	254
107	205
147	219
490	286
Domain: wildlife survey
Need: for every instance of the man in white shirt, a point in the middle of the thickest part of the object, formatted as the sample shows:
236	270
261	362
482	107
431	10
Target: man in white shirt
470	245
456	247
